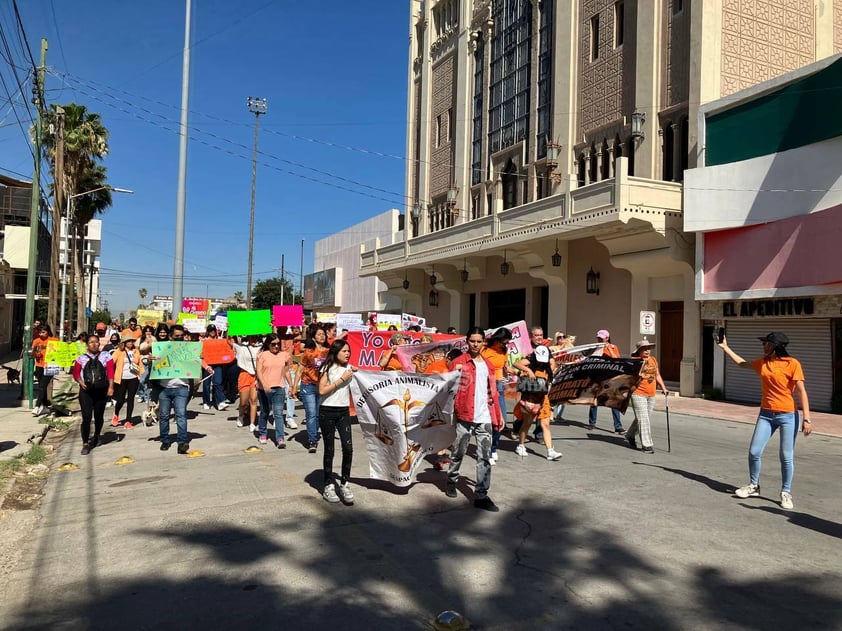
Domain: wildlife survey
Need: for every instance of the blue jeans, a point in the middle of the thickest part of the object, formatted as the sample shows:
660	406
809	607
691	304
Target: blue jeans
276	397
216	383
309	393
168	399
767	423
143	385
495	435
618	418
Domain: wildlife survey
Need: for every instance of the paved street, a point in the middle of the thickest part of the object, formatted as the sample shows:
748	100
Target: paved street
606	538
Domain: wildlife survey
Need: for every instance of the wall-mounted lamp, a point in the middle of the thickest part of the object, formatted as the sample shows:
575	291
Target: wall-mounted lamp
556	258
638	119
452	194
433	298
463	273
553	153
416	211
433	279
504	266
592	282
405	281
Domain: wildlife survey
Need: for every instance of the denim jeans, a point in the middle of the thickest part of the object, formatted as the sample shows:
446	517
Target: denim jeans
309	393
767	423
618	418
216	383
482	431
501	394
276	398
143	385
173	399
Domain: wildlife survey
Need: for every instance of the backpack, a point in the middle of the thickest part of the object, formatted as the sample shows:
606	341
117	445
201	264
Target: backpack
94	375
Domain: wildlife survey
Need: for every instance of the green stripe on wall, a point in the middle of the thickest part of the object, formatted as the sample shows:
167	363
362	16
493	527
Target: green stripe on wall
806	111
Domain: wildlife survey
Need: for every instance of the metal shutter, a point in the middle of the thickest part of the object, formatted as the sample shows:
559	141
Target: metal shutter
809	342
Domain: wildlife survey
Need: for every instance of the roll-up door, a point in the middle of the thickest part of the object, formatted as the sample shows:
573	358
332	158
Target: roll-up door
809	342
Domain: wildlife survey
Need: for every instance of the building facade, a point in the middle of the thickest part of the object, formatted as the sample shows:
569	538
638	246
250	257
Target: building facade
547	142
766	202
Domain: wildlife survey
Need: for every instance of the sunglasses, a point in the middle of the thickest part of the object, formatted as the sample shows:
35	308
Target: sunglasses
273	344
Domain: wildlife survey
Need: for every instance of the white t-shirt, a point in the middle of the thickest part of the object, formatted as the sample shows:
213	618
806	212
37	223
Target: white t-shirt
246	357
481	411
127	366
341	397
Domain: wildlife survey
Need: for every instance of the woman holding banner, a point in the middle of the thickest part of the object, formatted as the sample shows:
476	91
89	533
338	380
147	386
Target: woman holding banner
315	351
534	402
335	376
389	360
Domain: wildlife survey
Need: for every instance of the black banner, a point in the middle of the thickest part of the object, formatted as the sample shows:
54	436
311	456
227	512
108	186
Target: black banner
604	381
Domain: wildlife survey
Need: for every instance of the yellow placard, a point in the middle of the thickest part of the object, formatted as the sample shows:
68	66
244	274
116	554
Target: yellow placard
149	316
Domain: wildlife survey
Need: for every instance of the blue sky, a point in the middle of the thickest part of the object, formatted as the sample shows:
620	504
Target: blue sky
331	71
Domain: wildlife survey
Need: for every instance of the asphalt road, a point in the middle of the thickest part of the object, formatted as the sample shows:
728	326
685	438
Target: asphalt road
606	538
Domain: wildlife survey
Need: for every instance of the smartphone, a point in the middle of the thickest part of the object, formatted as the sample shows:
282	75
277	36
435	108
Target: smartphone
720	335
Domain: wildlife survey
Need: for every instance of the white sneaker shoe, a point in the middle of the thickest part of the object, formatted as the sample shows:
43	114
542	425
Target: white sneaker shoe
520	450
240	423
492	459
205	406
252	427
749	490
345	493
786	501
290	422
330	494
36	410
552	454
221	407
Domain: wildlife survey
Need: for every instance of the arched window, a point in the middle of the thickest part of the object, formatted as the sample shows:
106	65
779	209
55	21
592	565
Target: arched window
606	164
580	170
668	152
510	187
592	172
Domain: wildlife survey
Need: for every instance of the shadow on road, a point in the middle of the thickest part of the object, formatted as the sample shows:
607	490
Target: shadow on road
817	524
714	485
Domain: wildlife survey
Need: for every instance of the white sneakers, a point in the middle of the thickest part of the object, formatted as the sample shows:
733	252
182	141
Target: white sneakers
290	423
786	501
222	406
330	494
552	454
205	406
345	493
750	490
520	450
252	427
37	410
492	459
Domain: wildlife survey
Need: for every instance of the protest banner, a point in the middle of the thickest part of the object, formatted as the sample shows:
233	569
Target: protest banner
217	351
408	320
220	322
426	358
604	381
183	317
325	318
255	322
149	316
575	353
385	320
368	346
62	354
195	325
287	315
350	322
403	417
176	360
197	306
520	346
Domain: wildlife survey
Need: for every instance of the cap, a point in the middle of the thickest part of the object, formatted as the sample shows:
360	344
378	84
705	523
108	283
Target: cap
100	326
126	336
642	345
542	354
775	337
603	334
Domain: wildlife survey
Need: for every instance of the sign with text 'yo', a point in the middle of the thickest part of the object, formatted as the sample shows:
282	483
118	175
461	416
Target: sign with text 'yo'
647	323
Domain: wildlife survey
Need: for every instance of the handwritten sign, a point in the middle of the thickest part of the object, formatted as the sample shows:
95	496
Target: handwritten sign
217	352
287	315
385	320
408	320
325	318
149	316
63	354
221	322
257	322
182	317
176	360
195	325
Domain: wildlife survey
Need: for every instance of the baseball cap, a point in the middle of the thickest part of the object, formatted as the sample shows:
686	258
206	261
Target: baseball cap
775	337
100	326
542	354
603	334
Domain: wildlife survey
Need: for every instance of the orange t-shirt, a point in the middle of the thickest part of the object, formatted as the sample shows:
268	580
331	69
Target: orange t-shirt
311	360
394	363
648	383
610	350
497	361
437	367
135	334
39	350
777	381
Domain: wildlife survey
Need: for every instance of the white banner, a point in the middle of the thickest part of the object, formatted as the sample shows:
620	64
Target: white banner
350	321
404	417
195	325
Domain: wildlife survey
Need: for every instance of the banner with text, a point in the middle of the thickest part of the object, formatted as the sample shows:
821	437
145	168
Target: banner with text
403	417
255	322
350	322
368	346
176	360
197	306
149	316
195	325
604	381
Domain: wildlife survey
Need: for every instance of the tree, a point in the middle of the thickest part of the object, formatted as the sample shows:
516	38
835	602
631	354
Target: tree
267	293
142	293
239	297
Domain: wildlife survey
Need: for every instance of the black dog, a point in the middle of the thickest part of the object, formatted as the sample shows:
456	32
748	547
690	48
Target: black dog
12	375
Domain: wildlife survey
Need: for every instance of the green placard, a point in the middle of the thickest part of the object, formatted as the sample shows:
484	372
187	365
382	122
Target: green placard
176	360
63	354
257	322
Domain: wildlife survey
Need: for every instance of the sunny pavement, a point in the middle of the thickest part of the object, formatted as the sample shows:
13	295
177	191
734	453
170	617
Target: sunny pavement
606	538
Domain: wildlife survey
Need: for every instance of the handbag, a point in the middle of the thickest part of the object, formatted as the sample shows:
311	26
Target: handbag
51	370
534	385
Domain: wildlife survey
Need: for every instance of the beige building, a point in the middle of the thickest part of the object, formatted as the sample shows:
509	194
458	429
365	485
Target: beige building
547	141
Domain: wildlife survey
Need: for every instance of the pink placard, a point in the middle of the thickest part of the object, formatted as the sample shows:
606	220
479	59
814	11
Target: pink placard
287	315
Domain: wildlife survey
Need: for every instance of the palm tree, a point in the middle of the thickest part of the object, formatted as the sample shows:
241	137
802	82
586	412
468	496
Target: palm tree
142	293
239	297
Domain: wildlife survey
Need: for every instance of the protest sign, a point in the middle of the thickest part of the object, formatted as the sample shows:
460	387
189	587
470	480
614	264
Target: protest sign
408	320
287	315
520	346
220	322
385	320
350	321
197	306
426	358
176	360
605	381
183	317
195	325
62	354
325	318
368	346
403	417
149	316
575	353
256	322
216	351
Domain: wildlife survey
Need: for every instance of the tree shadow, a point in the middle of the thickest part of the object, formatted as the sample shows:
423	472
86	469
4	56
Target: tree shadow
804	520
230	544
8	444
715	485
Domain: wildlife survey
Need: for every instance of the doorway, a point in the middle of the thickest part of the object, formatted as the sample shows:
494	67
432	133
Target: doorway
505	307
672	340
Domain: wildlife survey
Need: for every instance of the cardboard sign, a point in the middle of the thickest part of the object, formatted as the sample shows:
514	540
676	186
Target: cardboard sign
63	354
326	318
350	321
176	360
217	351
220	322
182	317
287	315
149	316
256	322
408	320
195	325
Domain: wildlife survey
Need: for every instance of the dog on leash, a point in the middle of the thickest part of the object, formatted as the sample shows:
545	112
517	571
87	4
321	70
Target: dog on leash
150	414
12	375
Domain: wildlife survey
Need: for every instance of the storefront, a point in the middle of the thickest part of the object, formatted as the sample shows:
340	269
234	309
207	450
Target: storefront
813	325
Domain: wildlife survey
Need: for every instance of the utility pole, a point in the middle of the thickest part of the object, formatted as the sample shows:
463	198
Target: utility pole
55	247
34	225
181	196
301	275
257	106
282	279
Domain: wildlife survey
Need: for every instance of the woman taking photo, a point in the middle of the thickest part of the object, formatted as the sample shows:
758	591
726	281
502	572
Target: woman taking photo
334	388
780	377
127	370
643	397
534	402
315	351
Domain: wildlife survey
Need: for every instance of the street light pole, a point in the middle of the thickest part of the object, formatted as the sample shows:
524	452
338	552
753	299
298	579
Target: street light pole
66	249
181	194
257	106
